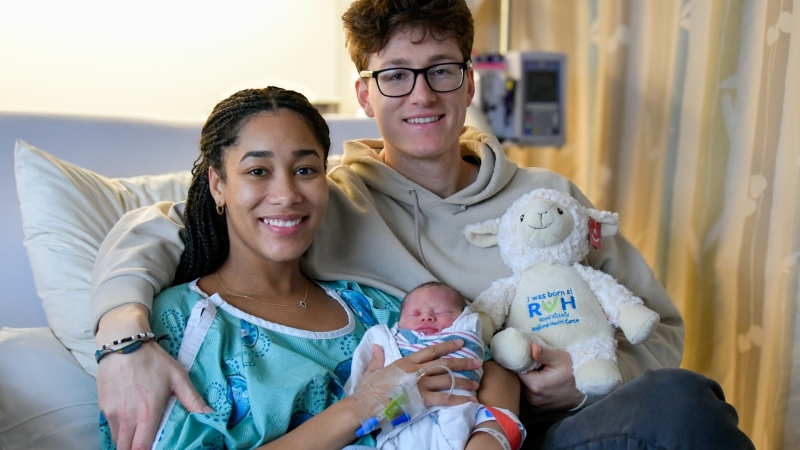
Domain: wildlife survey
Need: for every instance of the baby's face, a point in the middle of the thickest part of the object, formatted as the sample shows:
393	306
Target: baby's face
429	310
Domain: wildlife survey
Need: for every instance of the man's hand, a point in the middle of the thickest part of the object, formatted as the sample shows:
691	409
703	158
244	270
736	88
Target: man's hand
552	387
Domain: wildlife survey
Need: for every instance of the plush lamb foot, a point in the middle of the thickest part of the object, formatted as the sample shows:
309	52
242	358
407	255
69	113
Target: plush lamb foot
597	377
511	348
637	322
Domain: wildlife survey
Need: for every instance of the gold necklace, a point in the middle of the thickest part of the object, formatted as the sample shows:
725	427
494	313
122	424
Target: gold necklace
302	303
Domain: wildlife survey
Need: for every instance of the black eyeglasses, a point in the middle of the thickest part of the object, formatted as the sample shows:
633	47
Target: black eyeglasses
400	81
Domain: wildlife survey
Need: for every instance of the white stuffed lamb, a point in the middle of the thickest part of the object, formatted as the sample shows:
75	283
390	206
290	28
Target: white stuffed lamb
552	298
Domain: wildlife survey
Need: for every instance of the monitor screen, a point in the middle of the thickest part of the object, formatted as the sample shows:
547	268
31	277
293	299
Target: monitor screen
541	86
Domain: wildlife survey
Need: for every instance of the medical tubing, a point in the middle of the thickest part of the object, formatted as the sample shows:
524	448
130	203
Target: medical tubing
421	373
400	406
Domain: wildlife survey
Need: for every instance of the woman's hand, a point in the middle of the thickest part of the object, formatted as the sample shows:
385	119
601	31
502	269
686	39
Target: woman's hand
133	389
341	419
434	387
552	387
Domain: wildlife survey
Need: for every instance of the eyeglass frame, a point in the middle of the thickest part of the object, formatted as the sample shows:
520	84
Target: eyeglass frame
416	72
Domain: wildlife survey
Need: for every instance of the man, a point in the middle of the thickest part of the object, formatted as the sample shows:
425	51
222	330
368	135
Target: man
398	207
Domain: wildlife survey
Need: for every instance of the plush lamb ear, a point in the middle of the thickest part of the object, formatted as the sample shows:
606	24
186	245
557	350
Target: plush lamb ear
483	234
609	221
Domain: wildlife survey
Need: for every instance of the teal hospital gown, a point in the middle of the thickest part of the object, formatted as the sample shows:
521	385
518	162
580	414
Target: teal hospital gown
262	379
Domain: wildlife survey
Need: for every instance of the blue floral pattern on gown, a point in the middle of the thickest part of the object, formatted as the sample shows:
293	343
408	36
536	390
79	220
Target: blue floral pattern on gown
262	379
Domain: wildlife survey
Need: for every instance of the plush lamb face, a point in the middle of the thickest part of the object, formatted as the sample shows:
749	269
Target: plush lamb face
544	223
552	298
542	226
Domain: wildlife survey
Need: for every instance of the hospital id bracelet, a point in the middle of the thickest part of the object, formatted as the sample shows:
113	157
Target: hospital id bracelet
497	435
511	426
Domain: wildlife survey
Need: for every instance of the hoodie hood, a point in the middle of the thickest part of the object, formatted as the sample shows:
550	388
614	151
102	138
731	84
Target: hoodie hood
363	157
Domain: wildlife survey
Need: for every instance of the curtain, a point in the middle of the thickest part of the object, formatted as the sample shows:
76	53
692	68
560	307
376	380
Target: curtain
684	116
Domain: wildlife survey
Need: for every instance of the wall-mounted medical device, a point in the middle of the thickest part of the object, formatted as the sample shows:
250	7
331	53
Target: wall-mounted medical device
523	95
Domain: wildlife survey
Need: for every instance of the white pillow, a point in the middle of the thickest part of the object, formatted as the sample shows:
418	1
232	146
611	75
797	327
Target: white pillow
47	400
66	212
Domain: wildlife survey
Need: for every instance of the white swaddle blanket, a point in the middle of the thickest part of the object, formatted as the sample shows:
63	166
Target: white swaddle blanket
441	427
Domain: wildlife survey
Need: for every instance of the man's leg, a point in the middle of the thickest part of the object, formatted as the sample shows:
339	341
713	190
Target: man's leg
662	409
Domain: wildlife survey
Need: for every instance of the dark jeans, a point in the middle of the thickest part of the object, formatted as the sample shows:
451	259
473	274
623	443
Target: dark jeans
662	409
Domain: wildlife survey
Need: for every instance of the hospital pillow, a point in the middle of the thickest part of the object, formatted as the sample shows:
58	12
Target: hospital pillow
66	212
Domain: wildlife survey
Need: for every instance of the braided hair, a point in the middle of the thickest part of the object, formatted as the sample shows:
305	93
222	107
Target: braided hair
206	232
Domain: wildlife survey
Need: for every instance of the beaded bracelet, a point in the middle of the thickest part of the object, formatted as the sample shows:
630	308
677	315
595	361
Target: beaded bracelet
136	337
134	343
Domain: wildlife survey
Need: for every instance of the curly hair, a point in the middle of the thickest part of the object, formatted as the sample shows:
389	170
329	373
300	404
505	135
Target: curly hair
206	233
369	24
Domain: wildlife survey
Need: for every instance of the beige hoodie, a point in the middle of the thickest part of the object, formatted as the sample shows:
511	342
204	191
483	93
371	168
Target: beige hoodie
385	231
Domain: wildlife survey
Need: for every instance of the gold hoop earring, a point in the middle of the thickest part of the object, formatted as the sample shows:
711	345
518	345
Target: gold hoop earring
220	209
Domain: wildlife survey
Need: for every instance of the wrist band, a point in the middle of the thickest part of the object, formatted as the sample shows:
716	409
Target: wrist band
497	435
483	415
583	402
136	337
509	425
133	343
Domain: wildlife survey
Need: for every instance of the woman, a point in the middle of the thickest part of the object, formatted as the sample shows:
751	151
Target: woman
268	348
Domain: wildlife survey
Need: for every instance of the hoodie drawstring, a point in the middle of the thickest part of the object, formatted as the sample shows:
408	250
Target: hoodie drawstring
417	238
